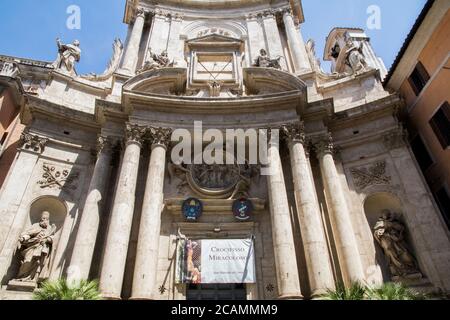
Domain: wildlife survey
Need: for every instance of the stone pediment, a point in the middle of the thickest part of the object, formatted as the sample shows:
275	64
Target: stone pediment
216	40
264	81
164	81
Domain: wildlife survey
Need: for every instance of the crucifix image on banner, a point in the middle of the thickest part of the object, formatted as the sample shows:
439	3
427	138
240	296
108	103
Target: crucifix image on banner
215	261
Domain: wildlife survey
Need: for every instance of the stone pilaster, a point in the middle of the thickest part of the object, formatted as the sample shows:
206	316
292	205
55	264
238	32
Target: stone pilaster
283	239
146	266
273	39
115	255
347	248
296	44
132	50
13	211
312	229
83	250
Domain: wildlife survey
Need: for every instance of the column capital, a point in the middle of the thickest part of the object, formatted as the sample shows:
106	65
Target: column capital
32	142
286	12
140	13
160	136
396	138
134	133
294	132
324	145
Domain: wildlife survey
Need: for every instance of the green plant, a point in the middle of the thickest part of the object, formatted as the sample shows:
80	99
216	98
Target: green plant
393	291
63	290
356	291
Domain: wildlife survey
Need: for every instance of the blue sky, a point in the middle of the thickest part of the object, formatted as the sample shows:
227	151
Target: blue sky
29	27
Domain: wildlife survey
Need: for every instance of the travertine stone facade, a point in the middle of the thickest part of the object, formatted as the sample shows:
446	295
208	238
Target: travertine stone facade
96	154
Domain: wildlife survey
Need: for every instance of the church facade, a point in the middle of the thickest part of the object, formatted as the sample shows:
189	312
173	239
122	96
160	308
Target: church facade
99	189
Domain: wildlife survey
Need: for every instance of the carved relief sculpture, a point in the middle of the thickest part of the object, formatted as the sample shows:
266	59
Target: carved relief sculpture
376	174
68	55
57	178
264	61
389	233
34	249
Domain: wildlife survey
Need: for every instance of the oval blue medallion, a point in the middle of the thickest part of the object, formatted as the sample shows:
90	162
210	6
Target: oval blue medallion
192	209
242	209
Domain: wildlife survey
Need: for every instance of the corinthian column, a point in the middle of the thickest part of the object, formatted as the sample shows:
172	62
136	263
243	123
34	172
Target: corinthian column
146	265
313	233
283	239
83	250
296	44
132	50
116	249
347	248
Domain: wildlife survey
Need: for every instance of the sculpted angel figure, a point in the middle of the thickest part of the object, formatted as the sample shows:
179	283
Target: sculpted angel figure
157	61
355	58
265	61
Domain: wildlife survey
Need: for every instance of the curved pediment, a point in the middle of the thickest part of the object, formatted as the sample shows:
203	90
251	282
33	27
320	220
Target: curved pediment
164	81
264	81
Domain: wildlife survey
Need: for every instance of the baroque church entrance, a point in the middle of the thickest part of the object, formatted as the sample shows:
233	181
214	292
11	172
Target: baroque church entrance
216	292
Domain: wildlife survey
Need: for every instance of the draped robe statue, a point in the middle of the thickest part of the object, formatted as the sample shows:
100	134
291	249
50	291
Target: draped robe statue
34	249
68	55
389	233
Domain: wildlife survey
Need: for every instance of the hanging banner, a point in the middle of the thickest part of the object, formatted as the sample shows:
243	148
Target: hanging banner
215	261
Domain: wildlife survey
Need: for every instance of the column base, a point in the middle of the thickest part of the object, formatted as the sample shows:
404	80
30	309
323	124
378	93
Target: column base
291	297
318	294
142	298
110	297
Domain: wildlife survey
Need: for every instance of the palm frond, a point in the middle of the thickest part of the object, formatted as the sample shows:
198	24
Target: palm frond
62	290
394	291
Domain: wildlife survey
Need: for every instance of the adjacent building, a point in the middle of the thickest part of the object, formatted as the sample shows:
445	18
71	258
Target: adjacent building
421	76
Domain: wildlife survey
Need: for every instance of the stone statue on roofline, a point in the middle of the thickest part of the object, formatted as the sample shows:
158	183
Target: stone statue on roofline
68	55
355	57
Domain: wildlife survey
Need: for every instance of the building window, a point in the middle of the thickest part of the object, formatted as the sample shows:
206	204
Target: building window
421	153
443	200
441	125
419	78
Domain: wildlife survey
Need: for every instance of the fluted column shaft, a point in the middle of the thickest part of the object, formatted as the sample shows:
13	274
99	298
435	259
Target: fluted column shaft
283	239
132	50
146	265
115	255
83	250
295	40
312	229
347	248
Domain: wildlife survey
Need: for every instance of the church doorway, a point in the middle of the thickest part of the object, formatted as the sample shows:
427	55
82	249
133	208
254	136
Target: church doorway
216	292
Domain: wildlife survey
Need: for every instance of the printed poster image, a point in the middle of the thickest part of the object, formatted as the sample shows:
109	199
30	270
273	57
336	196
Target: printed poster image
215	261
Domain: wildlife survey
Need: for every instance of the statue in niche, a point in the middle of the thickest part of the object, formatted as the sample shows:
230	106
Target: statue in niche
389	233
264	61
355	57
157	61
68	55
34	249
